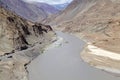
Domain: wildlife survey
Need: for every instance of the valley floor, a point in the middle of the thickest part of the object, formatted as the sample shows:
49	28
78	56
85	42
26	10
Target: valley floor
64	63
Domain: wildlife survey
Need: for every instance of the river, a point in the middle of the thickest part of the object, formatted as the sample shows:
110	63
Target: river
64	63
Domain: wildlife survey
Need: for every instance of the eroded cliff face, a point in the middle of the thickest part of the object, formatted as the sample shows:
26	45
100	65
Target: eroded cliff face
19	34
20	42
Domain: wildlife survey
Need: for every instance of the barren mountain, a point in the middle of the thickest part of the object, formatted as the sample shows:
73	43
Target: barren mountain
49	9
98	23
91	18
20	42
60	6
74	8
35	12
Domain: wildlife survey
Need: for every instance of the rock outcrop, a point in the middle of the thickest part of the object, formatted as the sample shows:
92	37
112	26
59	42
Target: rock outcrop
20	42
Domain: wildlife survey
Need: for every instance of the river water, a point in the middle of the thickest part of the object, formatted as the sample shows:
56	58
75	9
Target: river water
64	63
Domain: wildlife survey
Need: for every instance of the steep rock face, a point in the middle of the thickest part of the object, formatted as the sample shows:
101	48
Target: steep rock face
20	42
29	11
16	33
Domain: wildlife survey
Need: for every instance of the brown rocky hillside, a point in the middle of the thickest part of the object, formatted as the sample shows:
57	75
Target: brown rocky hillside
20	42
96	20
98	23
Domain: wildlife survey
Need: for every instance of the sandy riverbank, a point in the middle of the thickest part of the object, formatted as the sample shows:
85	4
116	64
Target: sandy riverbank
101	58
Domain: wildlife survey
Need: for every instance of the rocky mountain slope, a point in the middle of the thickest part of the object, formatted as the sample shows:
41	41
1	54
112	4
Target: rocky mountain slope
74	8
20	42
34	12
98	23
49	9
95	20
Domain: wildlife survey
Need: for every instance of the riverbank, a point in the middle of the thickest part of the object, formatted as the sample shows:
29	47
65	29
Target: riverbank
64	63
101	58
14	64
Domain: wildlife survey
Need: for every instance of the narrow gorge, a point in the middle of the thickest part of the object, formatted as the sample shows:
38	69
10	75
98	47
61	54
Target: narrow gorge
80	40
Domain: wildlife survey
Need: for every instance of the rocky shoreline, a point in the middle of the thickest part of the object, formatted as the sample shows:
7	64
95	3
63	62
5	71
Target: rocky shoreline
15	64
